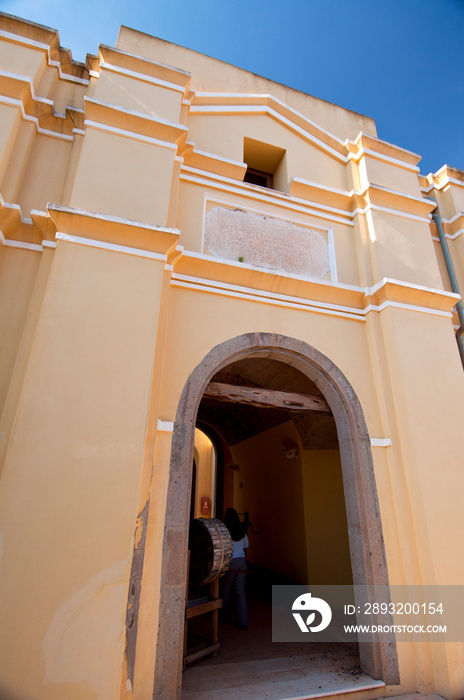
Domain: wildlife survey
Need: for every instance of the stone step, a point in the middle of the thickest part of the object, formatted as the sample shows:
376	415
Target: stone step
289	678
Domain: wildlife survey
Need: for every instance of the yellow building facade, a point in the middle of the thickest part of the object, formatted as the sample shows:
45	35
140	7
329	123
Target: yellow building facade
169	222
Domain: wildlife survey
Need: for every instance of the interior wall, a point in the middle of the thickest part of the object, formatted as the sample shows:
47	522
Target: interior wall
297	505
269	486
327	543
205	457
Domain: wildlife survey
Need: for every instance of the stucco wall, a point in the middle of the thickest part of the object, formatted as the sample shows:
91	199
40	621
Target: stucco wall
107	316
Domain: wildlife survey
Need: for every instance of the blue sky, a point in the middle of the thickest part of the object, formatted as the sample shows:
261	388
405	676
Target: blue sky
400	62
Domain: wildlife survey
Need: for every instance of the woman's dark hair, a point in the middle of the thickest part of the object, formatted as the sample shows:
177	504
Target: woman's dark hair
233	524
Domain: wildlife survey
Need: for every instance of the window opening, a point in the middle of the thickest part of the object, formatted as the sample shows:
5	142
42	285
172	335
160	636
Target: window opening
266	164
258	177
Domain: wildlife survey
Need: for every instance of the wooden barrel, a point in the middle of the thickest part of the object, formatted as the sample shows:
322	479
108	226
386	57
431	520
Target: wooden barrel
211	548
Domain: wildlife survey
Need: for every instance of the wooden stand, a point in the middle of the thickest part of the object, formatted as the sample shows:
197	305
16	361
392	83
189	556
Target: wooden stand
192	610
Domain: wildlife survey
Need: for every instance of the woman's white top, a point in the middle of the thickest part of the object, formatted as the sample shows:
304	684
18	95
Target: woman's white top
239	548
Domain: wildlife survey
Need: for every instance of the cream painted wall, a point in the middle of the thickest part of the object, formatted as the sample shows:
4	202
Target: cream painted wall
18	270
28	61
139	95
389	175
402	249
124	176
99	350
70	487
10	122
45	174
19	155
327	544
423	396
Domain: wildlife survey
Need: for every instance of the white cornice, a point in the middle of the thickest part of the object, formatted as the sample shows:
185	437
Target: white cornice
22	245
206	98
388	293
249	294
388	210
256	295
104	245
267	110
8	243
218	182
129	134
142	77
363	152
311	207
242	103
328	284
25	41
28	117
406	307
147	125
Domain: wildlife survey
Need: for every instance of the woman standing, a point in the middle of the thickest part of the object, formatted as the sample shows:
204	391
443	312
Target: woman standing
235	577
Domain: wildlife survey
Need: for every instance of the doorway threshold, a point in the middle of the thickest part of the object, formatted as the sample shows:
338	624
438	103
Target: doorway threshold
323	673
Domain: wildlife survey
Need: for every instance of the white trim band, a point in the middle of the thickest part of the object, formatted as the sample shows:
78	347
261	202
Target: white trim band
40	130
9	243
227	290
381	442
130	135
142	77
111	246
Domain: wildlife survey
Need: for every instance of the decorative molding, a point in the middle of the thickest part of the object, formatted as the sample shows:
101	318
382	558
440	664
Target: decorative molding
129	134
280	199
255	295
318	209
211	163
8	243
368	145
407	307
142	77
109	246
250	294
143	68
31	43
273	113
148	240
394	212
313	295
28	117
111	116
207	100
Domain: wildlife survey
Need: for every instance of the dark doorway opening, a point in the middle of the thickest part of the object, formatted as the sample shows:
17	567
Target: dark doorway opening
279	466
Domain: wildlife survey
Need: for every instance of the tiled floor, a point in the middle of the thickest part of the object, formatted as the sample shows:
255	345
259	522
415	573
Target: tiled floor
250	666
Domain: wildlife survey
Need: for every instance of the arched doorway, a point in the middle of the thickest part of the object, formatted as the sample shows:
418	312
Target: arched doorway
363	518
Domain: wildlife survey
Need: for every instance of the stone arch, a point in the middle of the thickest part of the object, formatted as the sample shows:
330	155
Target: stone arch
368	557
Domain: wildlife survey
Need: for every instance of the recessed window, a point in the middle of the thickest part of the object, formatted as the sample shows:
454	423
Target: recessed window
266	164
258	177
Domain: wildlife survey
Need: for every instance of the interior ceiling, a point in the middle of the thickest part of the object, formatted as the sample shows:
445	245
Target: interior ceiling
237	422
